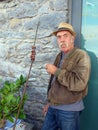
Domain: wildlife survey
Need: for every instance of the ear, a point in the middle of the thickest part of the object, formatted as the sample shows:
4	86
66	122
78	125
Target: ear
72	39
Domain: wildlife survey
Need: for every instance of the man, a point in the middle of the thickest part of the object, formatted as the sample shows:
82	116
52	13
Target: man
68	82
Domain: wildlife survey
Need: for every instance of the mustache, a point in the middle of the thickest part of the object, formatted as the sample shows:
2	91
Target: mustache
63	43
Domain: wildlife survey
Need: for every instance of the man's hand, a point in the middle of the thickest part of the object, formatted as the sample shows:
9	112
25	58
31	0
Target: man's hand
45	109
33	53
50	68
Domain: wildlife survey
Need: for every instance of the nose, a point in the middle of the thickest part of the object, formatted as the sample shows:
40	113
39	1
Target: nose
62	39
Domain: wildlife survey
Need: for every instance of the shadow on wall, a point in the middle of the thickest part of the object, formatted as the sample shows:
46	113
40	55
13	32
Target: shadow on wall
89	117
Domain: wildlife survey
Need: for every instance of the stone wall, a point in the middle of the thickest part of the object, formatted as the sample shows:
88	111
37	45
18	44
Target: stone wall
18	23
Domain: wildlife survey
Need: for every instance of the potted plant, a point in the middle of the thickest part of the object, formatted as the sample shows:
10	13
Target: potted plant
10	97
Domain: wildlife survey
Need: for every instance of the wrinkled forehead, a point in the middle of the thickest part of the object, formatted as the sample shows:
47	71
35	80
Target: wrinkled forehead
64	32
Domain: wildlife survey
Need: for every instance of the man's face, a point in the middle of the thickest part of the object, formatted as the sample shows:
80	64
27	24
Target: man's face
65	41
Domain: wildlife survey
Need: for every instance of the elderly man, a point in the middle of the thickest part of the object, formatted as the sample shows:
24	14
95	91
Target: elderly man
68	82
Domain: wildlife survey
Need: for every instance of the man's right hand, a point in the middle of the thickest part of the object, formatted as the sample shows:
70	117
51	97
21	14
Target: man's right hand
51	69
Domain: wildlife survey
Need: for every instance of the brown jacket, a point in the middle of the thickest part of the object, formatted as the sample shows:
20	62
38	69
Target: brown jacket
72	78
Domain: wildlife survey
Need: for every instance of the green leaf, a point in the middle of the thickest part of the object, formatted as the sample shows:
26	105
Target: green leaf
10	119
10	99
22	116
3	101
6	110
23	79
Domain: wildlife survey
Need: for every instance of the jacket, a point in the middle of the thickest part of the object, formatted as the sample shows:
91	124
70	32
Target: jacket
71	82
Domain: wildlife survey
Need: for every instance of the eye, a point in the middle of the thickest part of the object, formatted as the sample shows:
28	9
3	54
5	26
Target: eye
65	35
58	37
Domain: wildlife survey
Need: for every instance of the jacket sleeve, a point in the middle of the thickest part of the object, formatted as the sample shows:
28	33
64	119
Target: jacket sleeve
75	78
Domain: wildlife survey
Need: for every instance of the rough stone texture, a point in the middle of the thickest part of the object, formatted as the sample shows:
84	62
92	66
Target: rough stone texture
18	22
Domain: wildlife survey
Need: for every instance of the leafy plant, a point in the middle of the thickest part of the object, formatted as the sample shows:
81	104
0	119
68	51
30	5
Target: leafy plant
10	98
